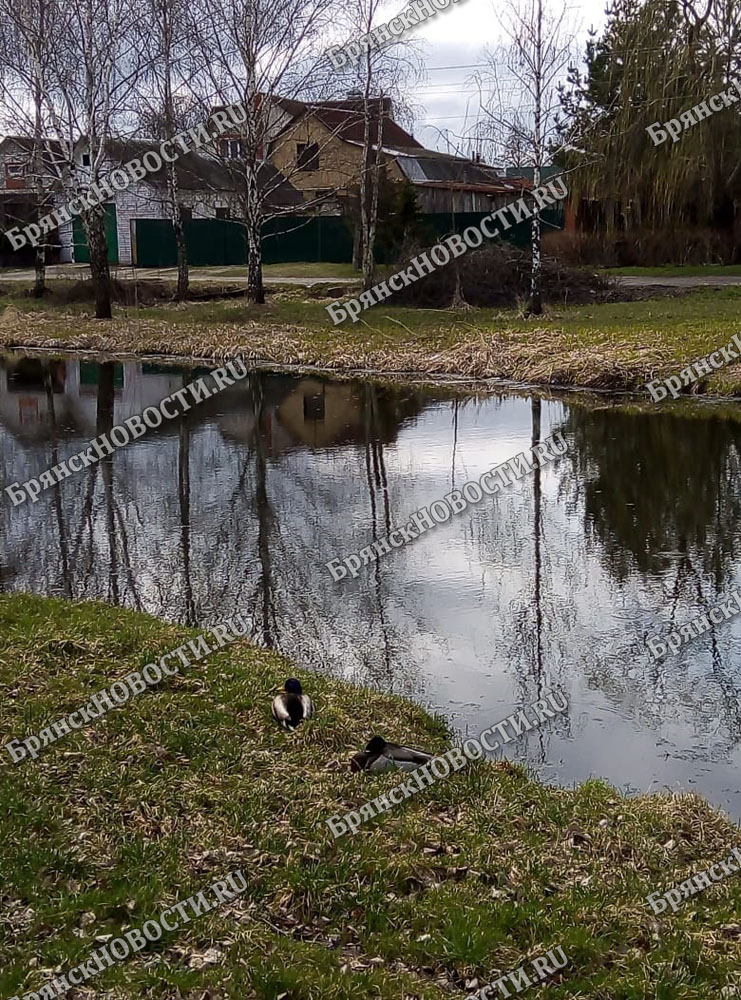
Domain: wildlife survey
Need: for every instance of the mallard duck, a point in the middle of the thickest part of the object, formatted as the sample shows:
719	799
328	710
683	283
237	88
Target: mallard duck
382	756
292	706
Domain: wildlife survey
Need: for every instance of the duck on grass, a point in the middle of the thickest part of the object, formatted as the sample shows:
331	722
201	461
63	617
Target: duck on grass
292	706
379	756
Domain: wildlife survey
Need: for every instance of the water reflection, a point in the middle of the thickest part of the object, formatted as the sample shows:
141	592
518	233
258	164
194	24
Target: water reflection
238	506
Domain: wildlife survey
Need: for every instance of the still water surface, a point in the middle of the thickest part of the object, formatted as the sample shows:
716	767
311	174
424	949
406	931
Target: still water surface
559	579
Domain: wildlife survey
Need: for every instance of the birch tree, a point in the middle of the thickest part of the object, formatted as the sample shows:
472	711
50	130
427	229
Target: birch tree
523	100
362	18
29	37
259	53
164	37
91	77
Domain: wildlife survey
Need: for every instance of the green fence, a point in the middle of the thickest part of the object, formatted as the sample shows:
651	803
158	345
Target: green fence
444	224
82	253
289	239
208	242
325	238
219	242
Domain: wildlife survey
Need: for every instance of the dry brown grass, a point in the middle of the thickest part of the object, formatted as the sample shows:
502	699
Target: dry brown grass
543	355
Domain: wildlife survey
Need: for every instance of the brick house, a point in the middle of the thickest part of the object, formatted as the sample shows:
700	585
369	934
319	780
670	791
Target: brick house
207	188
319	146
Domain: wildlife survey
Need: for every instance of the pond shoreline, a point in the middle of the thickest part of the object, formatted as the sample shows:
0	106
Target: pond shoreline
265	367
541	358
451	381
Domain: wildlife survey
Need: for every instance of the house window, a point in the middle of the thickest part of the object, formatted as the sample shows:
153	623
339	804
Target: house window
222	213
307	156
86	159
232	149
14	170
186	213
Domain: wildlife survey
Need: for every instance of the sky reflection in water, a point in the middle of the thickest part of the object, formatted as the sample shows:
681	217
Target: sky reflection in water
555	580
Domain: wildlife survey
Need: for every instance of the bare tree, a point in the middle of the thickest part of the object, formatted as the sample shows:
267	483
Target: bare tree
522	104
29	36
93	82
164	37
362	15
378	77
260	53
89	75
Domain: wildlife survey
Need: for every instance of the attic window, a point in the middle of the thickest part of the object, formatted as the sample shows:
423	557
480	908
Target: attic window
307	156
14	170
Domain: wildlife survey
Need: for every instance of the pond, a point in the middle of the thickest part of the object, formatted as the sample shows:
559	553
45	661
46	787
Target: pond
558	579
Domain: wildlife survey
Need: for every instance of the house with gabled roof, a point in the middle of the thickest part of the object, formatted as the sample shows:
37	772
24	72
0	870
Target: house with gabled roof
320	146
208	188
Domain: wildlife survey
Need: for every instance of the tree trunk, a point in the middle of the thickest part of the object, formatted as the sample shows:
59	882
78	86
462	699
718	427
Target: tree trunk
369	178
94	223
255	290
459	301
357	243
736	248
172	178
369	258
181	293
39	286
253	224
183	274
535	305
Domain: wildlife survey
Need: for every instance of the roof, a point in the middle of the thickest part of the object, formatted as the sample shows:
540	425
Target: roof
422	167
546	172
53	154
345	119
25	142
197	173
502	188
430	168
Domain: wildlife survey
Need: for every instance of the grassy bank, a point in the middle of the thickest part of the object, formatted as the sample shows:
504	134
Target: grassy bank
608	346
679	271
193	779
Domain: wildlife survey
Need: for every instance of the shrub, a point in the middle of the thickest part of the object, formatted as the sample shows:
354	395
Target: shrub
498	275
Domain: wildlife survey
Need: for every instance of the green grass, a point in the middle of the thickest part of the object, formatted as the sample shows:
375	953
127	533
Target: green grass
320	271
192	779
679	271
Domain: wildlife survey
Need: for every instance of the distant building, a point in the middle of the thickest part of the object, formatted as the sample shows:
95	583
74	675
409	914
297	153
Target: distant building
18	197
207	189
320	147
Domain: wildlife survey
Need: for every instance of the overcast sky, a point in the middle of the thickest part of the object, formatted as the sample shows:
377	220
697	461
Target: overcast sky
455	38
